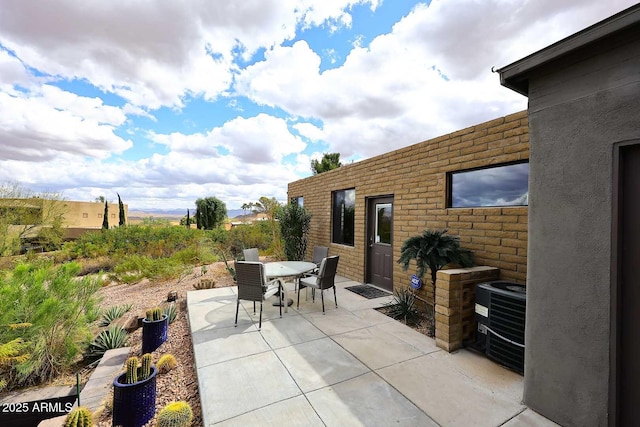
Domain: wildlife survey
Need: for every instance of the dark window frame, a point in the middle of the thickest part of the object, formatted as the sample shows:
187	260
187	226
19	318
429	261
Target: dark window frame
296	200
449	185
340	234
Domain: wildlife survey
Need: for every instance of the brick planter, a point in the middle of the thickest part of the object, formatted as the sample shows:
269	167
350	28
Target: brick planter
455	304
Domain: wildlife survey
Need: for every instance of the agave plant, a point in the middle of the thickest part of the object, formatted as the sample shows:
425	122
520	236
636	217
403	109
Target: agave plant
114	337
432	250
403	306
112	313
170	310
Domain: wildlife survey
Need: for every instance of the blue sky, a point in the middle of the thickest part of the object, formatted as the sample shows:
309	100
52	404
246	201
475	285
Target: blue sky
166	102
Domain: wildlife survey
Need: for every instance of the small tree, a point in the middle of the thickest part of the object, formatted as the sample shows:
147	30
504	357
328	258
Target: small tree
105	217
121	217
295	223
210	213
25	214
328	162
433	250
270	207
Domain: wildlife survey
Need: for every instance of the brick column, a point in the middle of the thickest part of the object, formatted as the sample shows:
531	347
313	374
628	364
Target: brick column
455	303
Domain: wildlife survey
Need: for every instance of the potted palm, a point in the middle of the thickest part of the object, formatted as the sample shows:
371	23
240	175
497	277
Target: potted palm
434	249
134	393
154	329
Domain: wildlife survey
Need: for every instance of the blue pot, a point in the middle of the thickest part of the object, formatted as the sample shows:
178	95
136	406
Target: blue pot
154	333
134	404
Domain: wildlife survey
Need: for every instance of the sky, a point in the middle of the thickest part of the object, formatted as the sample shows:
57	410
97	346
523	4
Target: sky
168	101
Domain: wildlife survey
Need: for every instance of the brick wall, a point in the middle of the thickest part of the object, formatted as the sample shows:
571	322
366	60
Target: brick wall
416	177
455	304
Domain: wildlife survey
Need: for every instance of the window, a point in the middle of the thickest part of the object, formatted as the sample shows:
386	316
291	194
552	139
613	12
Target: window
99	215
298	201
502	185
113	215
85	215
383	223
343	216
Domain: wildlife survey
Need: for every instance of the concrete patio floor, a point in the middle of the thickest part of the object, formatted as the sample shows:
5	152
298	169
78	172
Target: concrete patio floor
352	366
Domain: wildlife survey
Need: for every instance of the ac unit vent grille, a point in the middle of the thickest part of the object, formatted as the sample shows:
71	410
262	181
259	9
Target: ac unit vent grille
507	317
505	322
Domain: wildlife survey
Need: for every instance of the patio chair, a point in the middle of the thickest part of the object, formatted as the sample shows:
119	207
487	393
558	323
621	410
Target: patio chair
319	253
251	254
253	286
325	279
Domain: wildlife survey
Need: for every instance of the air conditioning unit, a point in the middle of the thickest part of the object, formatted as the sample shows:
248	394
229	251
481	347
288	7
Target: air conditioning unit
500	311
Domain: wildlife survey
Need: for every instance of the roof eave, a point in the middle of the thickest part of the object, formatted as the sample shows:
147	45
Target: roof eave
515	76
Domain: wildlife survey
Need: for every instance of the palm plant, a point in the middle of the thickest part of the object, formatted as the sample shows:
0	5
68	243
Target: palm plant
434	249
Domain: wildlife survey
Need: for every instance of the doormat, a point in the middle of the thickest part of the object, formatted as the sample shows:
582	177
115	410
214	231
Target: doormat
368	292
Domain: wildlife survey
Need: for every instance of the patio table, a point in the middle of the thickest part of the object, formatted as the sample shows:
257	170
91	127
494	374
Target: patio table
281	269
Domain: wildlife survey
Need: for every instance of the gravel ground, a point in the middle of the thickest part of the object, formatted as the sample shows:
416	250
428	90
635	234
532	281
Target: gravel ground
181	383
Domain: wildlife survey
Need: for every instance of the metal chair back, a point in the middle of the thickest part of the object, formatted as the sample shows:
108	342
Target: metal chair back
251	254
319	253
327	272
250	280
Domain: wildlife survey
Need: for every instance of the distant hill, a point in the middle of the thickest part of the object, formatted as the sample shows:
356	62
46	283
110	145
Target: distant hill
173	213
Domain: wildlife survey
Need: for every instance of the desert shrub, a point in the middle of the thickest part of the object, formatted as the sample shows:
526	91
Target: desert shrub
244	236
55	302
152	251
133	268
154	241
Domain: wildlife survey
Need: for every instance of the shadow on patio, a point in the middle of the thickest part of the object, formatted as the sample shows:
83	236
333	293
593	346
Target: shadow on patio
353	366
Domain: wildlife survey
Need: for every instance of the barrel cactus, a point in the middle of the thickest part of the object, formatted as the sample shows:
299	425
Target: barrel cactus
166	363
132	371
79	417
146	366
175	414
154	314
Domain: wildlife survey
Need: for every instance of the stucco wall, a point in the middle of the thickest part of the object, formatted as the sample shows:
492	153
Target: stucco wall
416	177
89	214
578	109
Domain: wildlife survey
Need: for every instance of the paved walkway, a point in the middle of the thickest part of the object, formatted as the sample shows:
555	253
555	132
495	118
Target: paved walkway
351	367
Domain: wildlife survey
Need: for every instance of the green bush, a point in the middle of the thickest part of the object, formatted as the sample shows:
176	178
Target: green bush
295	223
152	251
55	302
133	268
257	235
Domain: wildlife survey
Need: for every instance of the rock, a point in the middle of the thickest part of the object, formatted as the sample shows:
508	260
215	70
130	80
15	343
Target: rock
172	296
130	322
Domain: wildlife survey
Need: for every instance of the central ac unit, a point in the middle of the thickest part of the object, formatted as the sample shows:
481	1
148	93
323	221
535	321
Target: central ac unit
500	312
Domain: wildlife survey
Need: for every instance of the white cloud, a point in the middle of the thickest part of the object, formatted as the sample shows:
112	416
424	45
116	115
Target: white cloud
41	126
309	131
12	72
262	139
155	53
430	75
